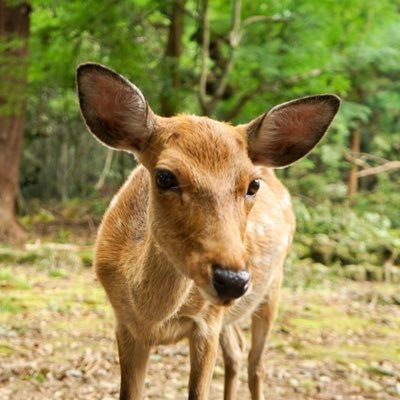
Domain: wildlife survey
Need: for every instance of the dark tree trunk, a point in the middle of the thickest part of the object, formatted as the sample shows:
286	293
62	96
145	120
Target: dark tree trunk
173	52
14	31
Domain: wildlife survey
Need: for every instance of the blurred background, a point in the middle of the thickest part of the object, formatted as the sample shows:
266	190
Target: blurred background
338	331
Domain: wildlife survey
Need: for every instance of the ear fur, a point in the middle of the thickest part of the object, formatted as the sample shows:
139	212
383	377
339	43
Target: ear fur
290	131
114	109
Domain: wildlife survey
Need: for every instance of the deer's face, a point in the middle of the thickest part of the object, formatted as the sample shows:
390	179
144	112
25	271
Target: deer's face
203	174
203	186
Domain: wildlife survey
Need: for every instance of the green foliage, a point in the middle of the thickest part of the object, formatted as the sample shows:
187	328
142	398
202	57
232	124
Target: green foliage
343	235
287	49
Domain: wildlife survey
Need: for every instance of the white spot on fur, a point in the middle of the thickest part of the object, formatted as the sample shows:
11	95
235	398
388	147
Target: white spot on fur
250	226
285	241
114	201
267	220
260	230
261	260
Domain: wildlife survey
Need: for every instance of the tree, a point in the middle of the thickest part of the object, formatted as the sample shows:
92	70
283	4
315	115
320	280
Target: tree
14	31
173	52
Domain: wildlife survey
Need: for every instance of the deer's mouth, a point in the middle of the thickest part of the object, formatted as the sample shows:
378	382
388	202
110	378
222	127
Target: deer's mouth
210	294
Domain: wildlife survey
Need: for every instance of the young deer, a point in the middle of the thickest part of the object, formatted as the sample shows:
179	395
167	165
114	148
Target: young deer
195	240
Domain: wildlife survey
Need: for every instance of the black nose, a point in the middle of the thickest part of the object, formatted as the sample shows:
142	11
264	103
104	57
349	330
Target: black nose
230	284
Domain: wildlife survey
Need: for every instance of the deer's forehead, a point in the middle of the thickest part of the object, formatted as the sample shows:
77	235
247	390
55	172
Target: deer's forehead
205	143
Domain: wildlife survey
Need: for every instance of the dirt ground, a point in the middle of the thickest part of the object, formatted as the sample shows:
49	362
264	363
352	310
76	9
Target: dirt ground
339	341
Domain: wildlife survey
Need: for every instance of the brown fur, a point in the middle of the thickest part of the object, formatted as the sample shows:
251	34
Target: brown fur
155	248
203	225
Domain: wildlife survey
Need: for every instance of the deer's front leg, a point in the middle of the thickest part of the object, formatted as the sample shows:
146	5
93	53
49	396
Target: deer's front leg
232	345
262	321
133	359
203	352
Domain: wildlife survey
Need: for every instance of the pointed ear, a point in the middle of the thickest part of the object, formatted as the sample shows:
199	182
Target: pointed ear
114	109
289	131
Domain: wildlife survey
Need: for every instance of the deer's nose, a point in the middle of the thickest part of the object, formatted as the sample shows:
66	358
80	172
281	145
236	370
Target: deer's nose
230	284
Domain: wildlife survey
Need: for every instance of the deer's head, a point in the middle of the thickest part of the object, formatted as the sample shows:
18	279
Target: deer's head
204	174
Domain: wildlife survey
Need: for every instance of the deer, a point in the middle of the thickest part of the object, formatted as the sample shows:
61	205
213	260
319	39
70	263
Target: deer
194	241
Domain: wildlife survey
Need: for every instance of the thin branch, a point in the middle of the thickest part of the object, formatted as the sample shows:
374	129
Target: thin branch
272	87
389	166
367	169
264	18
370	157
357	161
106	169
235	36
234	40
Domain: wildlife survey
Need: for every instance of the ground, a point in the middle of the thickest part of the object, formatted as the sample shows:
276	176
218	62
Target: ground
336	339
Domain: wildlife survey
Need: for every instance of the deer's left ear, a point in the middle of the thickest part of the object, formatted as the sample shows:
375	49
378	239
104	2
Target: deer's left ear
289	131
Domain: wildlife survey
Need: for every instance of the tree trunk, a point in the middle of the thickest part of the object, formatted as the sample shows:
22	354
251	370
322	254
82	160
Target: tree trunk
173	52
355	143
14	31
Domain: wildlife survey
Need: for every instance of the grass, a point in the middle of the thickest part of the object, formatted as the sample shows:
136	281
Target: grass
8	280
6	350
9	306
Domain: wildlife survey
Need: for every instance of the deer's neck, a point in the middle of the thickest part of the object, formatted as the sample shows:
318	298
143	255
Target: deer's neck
159	290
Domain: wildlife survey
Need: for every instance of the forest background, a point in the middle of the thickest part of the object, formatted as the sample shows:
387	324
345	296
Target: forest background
228	60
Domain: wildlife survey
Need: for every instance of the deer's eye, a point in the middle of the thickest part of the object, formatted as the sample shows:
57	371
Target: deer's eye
166	180
253	187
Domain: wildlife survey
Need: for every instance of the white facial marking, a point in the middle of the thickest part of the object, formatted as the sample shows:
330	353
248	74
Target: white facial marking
260	230
250	226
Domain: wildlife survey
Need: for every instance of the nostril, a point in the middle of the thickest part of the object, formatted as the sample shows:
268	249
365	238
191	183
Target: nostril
230	284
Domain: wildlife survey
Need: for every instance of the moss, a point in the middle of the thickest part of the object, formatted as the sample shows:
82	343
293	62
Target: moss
361	354
395	274
86	257
334	323
7	256
365	383
380	371
39	377
374	273
308	385
9	305
323	249
355	272
57	273
9	280
6	350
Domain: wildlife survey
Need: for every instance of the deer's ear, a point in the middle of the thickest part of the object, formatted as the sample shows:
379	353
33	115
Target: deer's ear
289	131
114	109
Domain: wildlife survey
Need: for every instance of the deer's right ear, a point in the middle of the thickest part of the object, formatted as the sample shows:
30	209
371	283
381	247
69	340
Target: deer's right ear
114	109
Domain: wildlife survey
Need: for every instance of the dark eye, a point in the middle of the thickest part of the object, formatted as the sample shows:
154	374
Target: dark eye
253	187
166	180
